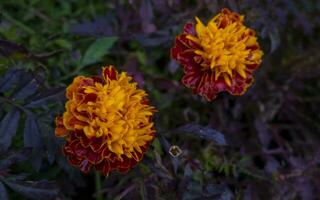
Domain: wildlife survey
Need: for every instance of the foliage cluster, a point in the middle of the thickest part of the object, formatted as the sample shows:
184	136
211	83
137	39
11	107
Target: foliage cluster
262	145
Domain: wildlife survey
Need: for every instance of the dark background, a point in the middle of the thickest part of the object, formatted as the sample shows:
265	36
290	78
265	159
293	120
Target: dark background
262	145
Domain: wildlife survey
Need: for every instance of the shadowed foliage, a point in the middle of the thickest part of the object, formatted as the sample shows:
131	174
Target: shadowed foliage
261	145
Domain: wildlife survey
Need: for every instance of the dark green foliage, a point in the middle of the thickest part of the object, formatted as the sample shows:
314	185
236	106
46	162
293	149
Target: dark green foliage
262	145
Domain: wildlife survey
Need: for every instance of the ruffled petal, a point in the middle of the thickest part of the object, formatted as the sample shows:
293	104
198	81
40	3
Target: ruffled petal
107	124
218	57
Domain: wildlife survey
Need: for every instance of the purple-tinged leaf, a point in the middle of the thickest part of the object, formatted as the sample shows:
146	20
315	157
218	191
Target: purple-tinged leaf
272	32
263	133
49	140
100	26
34	190
272	165
27	90
233	5
131	66
17	177
15	157
153	39
37	156
3	192
54	94
166	145
31	137
7	48
187	171
226	194
212	5
250	193
202	132
11	78
146	15
8	128
161	6
167	84
305	188
173	66
274	38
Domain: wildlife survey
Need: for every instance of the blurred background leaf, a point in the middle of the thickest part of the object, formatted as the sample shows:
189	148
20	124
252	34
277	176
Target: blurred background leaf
262	145
97	50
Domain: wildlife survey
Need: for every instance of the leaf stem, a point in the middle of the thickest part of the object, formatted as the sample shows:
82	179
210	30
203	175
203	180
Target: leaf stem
17	23
10	101
99	195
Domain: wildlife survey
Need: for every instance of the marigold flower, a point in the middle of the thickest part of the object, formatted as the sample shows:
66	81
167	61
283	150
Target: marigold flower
220	56
107	123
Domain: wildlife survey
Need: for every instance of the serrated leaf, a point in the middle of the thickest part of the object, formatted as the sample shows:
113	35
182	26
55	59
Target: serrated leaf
233	5
36	160
166	145
226	195
99	26
50	141
45	97
8	47
274	38
31	136
146	11
146	15
3	192
153	39
32	139
143	191
15	157
98	49
8	128
202	132
11	77
187	171
17	177
27	90
219	192
34	190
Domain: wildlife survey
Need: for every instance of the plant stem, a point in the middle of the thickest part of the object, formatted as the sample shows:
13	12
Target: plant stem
8	17
10	101
99	195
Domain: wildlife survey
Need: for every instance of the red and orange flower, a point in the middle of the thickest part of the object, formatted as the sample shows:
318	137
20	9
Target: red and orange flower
107	123
220	56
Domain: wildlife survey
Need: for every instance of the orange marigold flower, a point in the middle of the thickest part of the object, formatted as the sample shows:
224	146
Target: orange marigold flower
107	123
220	56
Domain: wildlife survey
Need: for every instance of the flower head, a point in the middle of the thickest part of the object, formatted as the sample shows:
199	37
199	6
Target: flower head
107	123
220	56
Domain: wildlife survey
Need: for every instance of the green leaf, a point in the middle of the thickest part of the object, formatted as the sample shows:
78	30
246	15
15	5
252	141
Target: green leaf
8	128
143	191
63	43
98	49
